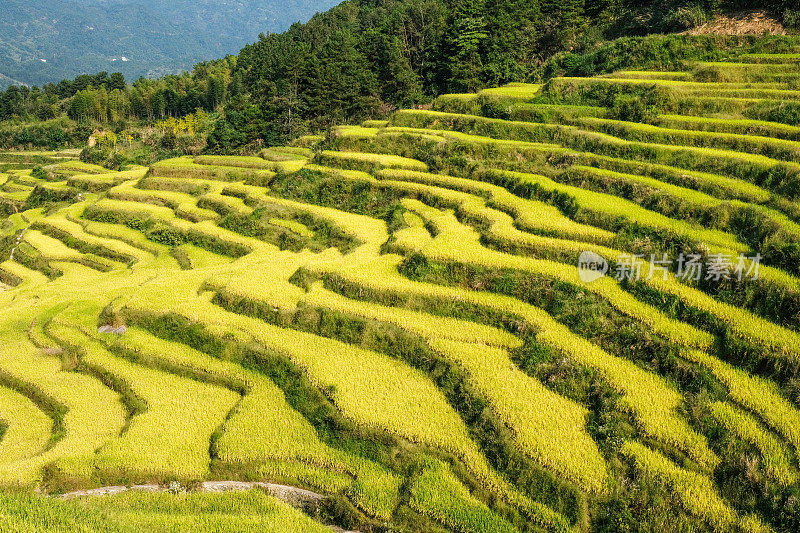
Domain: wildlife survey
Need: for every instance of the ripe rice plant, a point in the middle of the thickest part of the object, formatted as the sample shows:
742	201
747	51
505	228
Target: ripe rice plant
436	492
713	184
317	360
560	443
694	197
19	272
111	248
29	428
614	207
733	125
104	181
522	91
368	161
248	435
782	149
139	510
223	204
648	75
402	400
479	351
264	429
123	234
235	161
357	132
286	153
184	205
651	400
182	412
530	214
292	225
770	58
92	413
755	394
69	168
777	458
695	491
475	125
185	167
781	342
52	250
551	113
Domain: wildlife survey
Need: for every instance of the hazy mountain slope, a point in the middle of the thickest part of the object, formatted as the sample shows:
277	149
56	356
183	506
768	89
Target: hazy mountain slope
48	40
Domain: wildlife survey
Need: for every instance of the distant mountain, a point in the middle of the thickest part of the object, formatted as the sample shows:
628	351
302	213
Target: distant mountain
48	40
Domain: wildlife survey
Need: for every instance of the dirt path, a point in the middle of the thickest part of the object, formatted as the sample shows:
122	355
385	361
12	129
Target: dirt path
286	493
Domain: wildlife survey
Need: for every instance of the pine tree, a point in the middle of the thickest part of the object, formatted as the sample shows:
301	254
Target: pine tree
468	31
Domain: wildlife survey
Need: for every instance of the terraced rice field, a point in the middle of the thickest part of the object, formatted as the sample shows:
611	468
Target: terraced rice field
394	318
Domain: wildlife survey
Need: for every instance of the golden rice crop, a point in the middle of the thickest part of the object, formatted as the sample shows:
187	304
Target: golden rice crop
523	91
184	205
560	443
121	233
263	426
695	491
356	132
530	214
436	492
777	458
224	204
732	125
782	149
199	512
52	249
457	242
613	206
647	396
292	225
693	196
769	58
183	413
370	159
186	167
650	75
134	209
755	394
732	187
76	231
28	427
741	322
481	352
373	390
94	182
235	161
263	429
23	273
93	415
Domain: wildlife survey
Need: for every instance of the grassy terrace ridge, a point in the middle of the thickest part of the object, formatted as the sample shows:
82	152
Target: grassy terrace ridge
391	315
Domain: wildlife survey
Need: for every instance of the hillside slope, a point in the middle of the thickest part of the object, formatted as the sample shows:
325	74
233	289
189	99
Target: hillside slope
44	41
393	314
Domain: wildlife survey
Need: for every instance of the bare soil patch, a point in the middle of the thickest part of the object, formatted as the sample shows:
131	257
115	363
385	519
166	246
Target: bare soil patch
742	23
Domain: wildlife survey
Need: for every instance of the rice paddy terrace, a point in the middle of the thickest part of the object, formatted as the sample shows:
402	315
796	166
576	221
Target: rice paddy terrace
392	316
